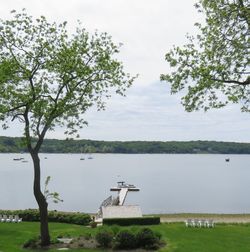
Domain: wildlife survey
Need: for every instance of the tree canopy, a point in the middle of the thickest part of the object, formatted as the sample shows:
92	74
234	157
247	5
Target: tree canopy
48	77
213	67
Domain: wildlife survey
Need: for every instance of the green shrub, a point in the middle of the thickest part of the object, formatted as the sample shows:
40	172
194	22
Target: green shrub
132	221
147	239
125	240
104	238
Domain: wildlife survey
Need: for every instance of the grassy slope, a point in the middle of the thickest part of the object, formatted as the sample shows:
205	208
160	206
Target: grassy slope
230	238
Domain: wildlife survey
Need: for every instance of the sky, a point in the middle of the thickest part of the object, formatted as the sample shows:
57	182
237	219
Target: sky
147	29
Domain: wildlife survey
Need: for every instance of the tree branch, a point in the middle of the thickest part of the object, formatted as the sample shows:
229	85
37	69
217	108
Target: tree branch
17	107
242	83
41	137
32	88
18	116
38	126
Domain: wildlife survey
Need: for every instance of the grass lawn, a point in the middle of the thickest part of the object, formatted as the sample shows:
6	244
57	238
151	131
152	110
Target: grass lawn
224	237
227	237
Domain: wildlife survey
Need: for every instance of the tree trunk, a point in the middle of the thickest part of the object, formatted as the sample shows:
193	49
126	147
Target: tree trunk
41	201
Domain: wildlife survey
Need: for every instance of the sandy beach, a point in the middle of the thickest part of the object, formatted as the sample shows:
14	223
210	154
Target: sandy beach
218	218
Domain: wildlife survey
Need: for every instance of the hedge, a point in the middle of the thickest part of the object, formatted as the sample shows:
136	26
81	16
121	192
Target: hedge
53	216
132	221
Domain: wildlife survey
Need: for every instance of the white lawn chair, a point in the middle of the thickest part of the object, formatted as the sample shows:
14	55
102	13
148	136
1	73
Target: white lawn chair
210	223
4	218
17	219
11	218
202	223
188	223
195	223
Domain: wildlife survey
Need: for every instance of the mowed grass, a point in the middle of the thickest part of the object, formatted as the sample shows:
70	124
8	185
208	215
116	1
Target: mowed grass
14	235
224	237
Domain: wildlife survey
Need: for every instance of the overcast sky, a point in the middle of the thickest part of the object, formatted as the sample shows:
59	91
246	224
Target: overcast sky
147	29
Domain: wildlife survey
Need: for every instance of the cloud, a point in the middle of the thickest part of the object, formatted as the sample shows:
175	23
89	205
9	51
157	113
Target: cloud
151	113
146	28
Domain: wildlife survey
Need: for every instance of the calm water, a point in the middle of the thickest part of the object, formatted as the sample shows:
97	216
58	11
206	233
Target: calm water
168	183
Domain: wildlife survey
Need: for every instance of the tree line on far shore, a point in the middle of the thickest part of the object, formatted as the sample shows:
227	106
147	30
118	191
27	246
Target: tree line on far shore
16	144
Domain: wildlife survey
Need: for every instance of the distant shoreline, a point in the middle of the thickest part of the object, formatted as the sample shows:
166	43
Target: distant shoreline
16	145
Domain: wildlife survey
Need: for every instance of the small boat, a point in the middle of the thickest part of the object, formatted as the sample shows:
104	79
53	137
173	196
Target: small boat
24	161
82	158
227	159
17	159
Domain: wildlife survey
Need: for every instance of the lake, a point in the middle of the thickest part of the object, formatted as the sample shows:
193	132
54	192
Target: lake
169	183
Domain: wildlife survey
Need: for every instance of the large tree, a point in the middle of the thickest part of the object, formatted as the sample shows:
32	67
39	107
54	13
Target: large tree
49	78
213	68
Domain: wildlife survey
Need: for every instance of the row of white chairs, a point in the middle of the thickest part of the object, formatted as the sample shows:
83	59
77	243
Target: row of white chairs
199	223
10	218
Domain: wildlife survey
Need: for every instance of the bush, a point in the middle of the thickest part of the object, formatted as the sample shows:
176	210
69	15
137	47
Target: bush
104	238
125	240
132	221
147	239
